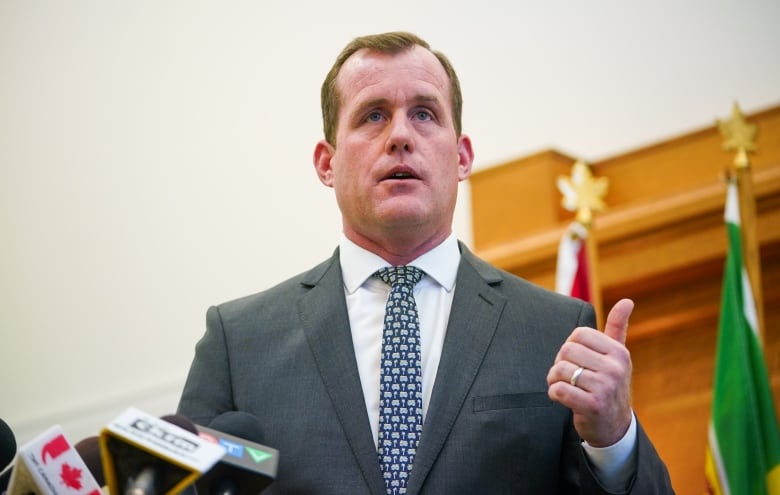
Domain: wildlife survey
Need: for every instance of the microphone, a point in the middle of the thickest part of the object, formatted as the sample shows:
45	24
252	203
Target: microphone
50	465
247	468
146	455
150	479
89	450
7	444
7	453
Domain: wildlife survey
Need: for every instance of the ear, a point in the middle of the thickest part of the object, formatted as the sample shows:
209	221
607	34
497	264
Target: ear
465	157
323	154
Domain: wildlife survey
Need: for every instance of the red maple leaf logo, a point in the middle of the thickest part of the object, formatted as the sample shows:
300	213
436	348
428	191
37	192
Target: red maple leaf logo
70	476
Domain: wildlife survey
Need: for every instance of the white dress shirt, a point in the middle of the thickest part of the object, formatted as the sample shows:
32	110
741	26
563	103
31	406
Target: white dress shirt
366	299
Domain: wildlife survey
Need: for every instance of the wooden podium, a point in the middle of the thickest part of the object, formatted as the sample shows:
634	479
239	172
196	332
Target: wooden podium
661	242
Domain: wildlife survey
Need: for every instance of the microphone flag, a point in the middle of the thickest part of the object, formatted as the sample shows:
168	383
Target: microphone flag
136	440
50	465
250	466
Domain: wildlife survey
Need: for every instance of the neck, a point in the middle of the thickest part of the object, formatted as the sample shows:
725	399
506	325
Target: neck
397	250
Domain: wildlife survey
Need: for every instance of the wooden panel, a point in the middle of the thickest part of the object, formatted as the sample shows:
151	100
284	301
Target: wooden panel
517	198
648	238
684	163
662	243
501	196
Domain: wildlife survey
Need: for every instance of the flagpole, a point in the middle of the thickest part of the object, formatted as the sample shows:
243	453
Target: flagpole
594	280
747	211
584	194
739	136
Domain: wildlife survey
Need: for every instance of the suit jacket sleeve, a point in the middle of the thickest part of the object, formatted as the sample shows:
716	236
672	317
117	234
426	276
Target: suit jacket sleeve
651	476
208	390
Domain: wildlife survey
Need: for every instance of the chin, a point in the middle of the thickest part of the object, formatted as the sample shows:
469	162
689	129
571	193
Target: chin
405	214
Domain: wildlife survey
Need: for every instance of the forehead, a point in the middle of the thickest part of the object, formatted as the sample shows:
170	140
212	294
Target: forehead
367	74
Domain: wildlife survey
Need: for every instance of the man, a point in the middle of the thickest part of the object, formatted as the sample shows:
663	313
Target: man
510	389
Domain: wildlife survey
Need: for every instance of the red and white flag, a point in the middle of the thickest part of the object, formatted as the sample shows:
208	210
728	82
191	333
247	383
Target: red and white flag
571	274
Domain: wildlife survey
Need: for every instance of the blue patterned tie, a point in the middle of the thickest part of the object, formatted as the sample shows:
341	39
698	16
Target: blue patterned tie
400	382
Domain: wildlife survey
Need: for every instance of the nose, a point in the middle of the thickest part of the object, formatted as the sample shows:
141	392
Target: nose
400	135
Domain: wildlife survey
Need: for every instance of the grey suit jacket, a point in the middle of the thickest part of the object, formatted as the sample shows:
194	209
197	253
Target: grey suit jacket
286	356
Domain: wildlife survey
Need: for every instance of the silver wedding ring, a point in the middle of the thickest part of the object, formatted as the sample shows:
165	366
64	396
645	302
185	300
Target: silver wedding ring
576	375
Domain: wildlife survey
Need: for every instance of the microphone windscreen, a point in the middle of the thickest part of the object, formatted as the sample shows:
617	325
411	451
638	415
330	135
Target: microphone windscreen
180	421
157	454
7	445
89	451
238	423
248	467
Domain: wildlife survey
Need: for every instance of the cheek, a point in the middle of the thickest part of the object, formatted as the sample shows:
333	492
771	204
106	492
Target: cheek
452	176
351	167
347	181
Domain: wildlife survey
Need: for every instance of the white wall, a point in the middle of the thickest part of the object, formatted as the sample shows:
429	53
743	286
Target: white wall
155	156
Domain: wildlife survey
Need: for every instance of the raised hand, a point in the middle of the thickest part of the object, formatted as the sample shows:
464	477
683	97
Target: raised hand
592	376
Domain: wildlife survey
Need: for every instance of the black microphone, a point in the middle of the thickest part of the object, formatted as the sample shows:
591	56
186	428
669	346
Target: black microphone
89	450
7	444
146	455
7	454
247	467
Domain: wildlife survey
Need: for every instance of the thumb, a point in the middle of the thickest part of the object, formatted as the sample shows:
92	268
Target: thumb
617	320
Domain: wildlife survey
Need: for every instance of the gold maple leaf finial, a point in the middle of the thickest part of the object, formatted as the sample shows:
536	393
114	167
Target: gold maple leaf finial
583	193
739	136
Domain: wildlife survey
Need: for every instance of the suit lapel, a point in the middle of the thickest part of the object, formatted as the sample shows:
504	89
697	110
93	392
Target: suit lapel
476	309
323	313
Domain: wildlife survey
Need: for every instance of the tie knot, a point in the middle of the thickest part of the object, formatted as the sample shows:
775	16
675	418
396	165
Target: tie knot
400	275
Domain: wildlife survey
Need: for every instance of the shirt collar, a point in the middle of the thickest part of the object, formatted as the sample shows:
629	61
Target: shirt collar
358	264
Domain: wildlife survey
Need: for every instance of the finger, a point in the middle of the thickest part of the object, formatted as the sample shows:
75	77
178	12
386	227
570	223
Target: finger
561	372
565	371
617	320
561	389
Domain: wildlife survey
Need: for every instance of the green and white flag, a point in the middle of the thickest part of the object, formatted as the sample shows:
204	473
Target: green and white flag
743	451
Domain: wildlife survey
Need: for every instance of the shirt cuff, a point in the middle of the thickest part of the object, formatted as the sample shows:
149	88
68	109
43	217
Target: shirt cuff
615	465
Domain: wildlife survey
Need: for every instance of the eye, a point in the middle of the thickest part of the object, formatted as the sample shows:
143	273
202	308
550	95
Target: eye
374	117
423	115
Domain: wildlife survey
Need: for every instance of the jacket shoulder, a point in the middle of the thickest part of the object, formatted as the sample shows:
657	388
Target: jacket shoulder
518	290
283	292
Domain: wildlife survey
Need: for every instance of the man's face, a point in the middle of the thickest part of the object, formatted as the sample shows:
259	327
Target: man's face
398	161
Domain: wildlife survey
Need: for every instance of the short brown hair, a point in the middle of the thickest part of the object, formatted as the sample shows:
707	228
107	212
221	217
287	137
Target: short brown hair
390	43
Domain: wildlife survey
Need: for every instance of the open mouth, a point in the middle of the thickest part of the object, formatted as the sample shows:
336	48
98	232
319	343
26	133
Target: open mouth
401	174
